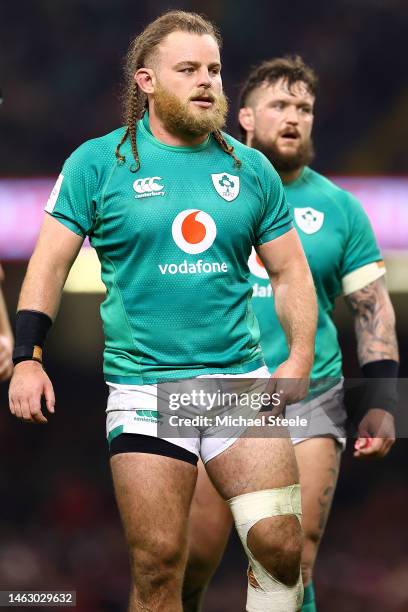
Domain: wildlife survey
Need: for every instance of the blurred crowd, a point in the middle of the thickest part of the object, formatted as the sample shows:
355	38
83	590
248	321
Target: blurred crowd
60	73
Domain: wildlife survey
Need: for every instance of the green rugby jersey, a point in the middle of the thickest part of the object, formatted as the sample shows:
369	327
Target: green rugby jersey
173	240
340	246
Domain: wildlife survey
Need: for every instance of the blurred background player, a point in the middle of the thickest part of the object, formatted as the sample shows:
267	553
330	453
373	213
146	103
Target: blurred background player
276	117
6	337
173	147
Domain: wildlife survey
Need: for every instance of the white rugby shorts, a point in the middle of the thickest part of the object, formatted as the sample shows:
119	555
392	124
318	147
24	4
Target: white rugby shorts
145	409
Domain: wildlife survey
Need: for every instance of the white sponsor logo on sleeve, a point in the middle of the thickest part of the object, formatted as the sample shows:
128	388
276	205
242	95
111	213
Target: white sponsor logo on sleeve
52	200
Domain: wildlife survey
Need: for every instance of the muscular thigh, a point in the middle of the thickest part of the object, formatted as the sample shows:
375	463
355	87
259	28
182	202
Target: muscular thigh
210	516
318	460
253	464
154	494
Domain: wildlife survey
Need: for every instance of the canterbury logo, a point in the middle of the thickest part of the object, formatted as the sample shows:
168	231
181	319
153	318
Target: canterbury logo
151	415
147	187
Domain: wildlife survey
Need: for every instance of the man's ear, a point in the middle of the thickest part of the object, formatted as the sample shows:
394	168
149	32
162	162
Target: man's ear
146	80
246	118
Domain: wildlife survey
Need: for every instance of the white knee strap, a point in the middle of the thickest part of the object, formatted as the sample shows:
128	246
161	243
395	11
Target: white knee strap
247	510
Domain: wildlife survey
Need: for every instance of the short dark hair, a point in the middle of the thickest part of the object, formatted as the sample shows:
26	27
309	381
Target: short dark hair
290	67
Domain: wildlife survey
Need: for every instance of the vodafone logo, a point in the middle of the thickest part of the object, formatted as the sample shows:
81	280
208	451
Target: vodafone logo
261	289
256	266
193	231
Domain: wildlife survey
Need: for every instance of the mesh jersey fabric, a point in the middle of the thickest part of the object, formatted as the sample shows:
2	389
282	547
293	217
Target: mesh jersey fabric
337	239
173	240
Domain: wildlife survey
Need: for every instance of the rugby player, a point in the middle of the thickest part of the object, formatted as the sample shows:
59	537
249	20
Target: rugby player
276	117
6	337
173	207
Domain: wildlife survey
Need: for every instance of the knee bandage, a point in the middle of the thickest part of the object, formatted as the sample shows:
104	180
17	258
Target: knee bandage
247	510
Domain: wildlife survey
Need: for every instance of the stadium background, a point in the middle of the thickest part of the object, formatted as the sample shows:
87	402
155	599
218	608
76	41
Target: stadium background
60	75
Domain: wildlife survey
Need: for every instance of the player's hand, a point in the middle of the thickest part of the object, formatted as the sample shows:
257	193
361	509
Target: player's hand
6	364
28	384
376	434
291	381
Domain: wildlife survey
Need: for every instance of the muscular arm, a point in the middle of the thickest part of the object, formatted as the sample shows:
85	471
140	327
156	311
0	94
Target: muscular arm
374	323
54	254
5	327
6	338
295	297
56	250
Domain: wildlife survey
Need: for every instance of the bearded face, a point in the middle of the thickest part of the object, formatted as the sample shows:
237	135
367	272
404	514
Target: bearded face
286	159
201	112
280	126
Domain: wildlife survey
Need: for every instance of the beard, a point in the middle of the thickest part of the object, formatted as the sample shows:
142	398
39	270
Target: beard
285	162
178	117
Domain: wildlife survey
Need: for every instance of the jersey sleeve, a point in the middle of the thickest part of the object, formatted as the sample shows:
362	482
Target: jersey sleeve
275	219
362	261
73	198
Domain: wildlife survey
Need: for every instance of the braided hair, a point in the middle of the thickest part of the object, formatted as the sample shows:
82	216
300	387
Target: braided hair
141	48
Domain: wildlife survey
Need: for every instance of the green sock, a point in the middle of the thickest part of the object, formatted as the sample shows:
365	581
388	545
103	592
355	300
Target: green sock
309	604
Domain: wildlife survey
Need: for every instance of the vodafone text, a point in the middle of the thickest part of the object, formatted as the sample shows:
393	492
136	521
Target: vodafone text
261	291
198	267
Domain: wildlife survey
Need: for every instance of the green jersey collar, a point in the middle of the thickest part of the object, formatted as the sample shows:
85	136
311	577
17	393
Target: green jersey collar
302	176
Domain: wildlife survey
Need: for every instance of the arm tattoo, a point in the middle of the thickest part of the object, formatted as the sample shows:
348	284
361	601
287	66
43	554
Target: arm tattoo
374	322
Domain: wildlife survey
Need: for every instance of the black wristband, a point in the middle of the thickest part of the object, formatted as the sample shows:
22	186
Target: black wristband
31	331
383	368
381	385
